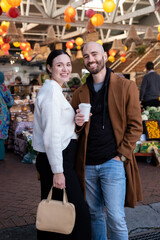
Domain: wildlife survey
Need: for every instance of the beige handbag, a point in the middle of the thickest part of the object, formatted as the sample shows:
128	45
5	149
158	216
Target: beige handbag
56	216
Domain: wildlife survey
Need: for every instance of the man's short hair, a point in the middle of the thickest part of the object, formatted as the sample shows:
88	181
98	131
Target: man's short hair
149	66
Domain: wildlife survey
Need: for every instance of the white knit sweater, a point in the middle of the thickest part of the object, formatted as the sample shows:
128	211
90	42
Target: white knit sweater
53	124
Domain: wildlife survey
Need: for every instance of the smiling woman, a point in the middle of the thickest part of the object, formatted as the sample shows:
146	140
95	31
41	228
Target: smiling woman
55	140
60	68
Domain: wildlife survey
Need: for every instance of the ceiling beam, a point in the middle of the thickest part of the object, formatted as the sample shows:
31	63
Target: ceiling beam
40	9
61	22
137	13
60	11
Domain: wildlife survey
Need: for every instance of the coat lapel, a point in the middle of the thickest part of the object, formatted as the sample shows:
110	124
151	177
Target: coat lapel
84	95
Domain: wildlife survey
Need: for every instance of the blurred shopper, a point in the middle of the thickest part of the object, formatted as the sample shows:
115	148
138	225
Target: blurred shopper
55	140
6	101
105	164
150	88
18	80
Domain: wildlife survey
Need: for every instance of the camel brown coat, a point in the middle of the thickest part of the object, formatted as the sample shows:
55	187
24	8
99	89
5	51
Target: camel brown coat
125	115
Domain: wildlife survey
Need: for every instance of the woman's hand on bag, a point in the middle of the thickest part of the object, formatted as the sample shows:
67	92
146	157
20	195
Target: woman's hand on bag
59	180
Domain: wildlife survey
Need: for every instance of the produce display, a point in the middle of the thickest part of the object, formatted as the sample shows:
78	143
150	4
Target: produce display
147	146
151	113
153	129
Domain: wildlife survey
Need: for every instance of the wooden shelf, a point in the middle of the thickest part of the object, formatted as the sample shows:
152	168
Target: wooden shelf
143	154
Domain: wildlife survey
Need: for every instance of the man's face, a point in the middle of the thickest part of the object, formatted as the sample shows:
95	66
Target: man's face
94	58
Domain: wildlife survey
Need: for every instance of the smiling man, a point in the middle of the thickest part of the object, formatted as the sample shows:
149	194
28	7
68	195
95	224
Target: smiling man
106	165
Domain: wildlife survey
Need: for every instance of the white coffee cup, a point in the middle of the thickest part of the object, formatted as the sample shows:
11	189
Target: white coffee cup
85	110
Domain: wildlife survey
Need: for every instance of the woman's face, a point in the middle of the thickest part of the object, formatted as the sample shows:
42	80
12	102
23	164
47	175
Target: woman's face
61	69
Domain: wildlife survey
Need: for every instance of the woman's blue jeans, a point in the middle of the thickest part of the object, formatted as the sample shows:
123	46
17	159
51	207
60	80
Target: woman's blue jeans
106	186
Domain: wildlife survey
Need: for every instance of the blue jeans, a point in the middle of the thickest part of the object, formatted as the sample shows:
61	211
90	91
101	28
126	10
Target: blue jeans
106	185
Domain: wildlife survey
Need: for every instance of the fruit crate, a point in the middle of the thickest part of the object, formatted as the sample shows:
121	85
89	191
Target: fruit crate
152	129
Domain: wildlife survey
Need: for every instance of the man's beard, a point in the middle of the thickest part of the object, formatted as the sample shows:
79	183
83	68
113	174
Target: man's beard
100	66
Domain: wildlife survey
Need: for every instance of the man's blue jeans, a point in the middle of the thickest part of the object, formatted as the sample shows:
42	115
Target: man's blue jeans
106	185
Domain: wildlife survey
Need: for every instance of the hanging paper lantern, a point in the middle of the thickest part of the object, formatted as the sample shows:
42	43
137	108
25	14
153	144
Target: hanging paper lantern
6	39
25	54
68	26
109	6
5	47
29	58
123	53
158	28
70	11
1	31
5	6
1	11
90	13
14	3
5	25
72	40
112	52
69	45
6	53
23	46
67	19
14	12
72	19
111	59
16	44
79	41
158	37
1	41
78	47
100	42
97	20
125	48
123	59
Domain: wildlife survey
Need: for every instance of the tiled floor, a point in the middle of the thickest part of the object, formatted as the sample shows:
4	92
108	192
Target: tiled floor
20	190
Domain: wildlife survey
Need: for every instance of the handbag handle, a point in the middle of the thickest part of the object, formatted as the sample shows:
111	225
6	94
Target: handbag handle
65	199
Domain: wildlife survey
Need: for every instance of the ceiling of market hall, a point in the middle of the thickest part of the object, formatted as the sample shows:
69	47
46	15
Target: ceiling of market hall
37	15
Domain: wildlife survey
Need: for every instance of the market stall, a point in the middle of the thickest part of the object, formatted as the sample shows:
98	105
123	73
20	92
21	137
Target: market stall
149	144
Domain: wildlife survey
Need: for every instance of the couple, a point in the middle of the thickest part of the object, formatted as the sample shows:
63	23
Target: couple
102	157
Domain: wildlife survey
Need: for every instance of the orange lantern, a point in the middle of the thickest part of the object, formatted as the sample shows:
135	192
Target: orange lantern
79	41
123	59
29	58
25	54
67	19
73	19
23	46
68	26
28	47
111	59
78	47
6	53
109	6
16	44
5	6
5	47
1	41
70	11
112	52
1	31
69	45
123	53
158	37
4	26
100	42
14	3
97	19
